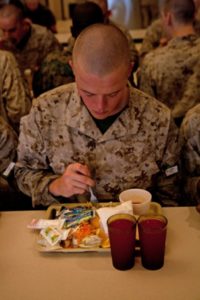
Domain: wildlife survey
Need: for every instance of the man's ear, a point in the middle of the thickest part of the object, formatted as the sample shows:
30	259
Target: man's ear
71	64
26	23
166	17
169	18
130	69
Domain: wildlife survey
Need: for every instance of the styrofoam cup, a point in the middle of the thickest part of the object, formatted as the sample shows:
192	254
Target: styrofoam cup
140	198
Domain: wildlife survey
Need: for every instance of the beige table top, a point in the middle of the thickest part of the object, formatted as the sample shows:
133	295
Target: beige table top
28	274
136	34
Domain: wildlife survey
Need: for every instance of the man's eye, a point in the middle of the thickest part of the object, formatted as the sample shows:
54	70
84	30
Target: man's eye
113	94
89	94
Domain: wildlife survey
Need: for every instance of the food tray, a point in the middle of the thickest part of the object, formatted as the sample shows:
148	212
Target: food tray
52	210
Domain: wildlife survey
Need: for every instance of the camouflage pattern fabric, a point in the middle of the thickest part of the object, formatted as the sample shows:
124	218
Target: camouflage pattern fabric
134	152
8	145
165	72
190	133
34	48
53	72
191	94
15	100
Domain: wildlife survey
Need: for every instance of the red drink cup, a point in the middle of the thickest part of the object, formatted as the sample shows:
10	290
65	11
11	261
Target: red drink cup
122	229
152	236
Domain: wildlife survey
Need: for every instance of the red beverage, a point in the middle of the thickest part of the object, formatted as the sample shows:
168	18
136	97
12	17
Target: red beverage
122	228
152	235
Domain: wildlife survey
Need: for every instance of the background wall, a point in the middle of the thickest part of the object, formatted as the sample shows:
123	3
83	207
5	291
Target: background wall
129	13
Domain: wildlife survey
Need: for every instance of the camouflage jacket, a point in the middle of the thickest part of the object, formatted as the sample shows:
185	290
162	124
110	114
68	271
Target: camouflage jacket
134	152
190	133
34	47
15	100
8	145
165	72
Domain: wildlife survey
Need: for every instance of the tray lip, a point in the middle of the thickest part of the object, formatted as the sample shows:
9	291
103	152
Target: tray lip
44	249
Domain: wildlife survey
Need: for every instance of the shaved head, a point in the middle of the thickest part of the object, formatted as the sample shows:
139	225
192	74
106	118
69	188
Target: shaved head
101	49
183	10
12	10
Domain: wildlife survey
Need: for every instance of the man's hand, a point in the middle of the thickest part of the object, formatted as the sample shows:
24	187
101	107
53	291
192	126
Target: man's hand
75	180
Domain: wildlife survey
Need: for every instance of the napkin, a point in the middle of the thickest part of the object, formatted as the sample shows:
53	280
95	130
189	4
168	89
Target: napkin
106	212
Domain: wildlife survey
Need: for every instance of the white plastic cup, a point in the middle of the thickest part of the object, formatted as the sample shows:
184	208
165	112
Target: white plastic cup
140	198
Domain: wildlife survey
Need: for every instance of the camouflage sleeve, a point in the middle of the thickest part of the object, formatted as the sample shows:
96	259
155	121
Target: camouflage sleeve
190	135
191	95
167	181
15	94
8	145
32	172
152	38
50	43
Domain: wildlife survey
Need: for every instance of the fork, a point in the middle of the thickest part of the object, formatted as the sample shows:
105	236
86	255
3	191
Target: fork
93	198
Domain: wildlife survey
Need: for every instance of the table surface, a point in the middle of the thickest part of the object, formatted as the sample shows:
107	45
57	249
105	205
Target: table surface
27	274
64	33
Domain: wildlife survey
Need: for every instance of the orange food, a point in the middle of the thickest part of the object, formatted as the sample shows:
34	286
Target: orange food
83	230
86	229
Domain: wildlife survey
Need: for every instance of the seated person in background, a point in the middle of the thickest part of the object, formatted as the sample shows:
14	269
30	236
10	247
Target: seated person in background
10	197
8	145
190	133
55	69
156	35
40	14
98	131
15	100
165	71
30	43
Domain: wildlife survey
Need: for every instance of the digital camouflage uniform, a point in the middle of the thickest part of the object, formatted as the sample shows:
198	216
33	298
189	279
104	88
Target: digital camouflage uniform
8	151
190	133
8	145
133	152
155	33
15	100
10	197
34	47
191	95
165	72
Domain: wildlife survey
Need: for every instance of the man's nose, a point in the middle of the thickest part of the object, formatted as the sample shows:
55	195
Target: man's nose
101	102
